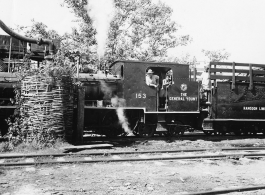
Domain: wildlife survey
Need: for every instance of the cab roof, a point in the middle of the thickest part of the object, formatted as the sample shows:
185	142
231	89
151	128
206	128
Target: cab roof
146	62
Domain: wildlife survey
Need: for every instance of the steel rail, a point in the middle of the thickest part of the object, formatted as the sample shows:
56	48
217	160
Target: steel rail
134	159
10	156
183	137
228	190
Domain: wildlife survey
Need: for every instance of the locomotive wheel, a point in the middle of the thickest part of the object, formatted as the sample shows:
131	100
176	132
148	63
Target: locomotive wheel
145	130
223	130
176	130
166	134
256	130
223	133
134	126
245	132
136	132
237	132
112	127
208	132
216	133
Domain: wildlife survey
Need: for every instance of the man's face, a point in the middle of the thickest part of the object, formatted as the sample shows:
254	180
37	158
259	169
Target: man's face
150	75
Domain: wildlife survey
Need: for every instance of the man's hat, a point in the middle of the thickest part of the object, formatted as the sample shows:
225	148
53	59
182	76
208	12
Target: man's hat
150	71
170	72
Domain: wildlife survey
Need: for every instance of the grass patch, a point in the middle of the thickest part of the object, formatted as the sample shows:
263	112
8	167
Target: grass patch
33	147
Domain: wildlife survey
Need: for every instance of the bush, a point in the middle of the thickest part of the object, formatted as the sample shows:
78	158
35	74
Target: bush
37	115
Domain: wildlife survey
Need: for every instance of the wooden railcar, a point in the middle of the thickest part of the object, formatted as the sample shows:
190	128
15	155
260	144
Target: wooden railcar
237	98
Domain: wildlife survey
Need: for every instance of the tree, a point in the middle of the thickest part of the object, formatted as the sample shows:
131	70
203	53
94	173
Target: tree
216	55
38	29
69	41
183	59
140	30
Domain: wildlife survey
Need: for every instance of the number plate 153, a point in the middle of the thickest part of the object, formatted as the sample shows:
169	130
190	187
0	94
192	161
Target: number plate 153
140	95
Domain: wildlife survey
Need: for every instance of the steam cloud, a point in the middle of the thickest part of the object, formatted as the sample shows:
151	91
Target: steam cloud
101	13
116	102
119	102
105	89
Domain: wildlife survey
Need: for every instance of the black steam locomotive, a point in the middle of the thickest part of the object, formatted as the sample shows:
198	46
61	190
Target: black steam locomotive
169	107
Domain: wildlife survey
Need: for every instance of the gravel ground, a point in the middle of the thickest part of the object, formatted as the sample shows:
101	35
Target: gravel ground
152	177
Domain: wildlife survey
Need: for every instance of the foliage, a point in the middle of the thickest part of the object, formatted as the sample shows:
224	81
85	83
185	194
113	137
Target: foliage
19	131
216	55
183	59
38	29
140	30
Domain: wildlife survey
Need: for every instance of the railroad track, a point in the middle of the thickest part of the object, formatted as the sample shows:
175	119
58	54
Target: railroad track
154	155
186	136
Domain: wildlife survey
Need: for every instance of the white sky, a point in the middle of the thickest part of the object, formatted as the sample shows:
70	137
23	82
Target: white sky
235	25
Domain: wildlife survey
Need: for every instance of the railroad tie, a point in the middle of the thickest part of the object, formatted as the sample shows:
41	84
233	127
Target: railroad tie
29	160
88	158
144	156
116	157
166	155
60	159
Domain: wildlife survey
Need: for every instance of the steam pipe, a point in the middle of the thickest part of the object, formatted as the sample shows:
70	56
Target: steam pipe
27	39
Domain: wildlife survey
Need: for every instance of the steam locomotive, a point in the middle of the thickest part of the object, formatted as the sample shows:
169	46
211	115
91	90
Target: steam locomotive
148	110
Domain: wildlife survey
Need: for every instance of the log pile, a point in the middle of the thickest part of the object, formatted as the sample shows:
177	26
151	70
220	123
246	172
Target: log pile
48	106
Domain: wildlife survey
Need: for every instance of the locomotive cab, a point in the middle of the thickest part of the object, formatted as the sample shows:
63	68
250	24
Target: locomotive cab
161	94
173	90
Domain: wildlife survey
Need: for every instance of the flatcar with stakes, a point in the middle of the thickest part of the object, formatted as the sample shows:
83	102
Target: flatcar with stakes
237	99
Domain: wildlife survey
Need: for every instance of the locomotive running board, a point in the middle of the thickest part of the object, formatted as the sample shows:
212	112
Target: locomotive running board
114	108
141	108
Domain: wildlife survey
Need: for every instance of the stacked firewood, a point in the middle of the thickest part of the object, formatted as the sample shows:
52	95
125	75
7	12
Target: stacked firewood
48	106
